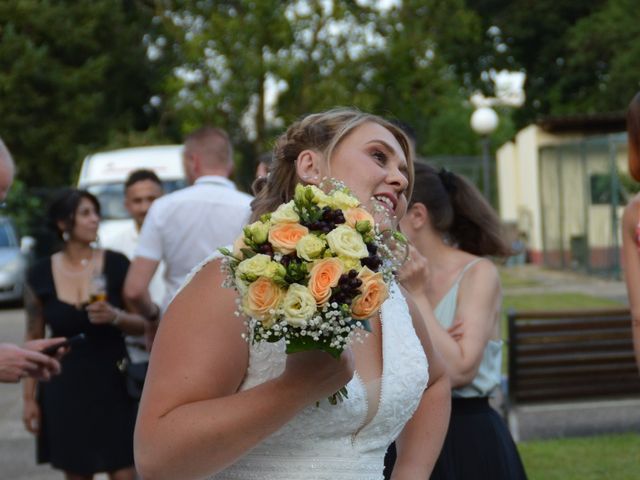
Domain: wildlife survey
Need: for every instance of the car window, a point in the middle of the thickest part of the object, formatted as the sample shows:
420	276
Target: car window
8	236
111	197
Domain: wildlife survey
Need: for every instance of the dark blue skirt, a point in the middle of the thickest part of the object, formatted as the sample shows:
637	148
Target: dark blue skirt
478	446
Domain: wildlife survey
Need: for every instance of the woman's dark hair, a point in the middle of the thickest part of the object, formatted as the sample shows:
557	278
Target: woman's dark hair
456	208
633	133
64	206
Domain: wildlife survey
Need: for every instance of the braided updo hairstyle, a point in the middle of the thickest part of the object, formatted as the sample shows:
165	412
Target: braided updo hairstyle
320	132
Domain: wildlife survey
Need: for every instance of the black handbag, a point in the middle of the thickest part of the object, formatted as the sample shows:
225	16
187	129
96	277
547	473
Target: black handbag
134	375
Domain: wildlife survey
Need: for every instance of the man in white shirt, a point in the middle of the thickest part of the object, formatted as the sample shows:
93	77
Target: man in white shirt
184	227
141	189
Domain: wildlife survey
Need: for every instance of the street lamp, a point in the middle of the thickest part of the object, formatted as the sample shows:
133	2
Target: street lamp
484	121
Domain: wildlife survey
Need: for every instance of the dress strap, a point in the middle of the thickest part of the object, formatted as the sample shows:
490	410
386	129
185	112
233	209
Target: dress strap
466	267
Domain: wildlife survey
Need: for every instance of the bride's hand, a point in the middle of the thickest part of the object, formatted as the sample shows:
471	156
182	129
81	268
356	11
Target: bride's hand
318	372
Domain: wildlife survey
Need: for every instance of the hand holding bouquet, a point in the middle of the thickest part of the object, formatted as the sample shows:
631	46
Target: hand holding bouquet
313	271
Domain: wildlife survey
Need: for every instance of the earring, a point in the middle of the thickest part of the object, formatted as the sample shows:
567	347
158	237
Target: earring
66	236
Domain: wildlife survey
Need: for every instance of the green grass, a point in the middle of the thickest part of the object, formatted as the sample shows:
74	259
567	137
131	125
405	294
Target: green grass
604	457
508	280
555	301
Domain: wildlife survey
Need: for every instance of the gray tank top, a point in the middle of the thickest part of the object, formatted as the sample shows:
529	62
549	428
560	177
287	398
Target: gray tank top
488	377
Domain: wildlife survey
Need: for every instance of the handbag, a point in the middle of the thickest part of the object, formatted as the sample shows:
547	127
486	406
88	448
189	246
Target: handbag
134	375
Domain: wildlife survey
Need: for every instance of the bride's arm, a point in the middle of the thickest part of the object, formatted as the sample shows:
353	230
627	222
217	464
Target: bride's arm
192	421
421	440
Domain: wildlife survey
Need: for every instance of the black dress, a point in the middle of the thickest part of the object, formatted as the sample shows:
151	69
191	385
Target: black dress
87	417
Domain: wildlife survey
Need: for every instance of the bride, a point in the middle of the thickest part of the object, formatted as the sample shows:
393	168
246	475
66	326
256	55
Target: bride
217	406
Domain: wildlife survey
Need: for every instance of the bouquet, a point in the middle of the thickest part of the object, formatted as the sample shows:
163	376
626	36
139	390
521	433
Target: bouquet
314	270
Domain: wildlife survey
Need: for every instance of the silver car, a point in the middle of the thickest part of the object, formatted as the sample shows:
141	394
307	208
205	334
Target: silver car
13	262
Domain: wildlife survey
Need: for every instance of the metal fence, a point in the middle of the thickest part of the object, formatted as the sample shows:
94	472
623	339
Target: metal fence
583	190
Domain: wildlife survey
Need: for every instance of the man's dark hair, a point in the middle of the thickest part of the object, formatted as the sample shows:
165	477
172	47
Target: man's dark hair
140	175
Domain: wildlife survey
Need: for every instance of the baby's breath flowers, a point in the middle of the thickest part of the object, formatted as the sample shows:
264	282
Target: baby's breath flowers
312	272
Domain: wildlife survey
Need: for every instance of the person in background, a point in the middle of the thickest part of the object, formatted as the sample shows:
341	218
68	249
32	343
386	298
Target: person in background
631	225
264	162
184	227
83	418
26	361
141	189
452	228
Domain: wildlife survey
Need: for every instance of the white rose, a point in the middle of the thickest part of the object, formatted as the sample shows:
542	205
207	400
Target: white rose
310	247
285	214
345	241
298	305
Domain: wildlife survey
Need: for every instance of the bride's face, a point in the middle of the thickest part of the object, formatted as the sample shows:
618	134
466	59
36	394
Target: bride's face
371	162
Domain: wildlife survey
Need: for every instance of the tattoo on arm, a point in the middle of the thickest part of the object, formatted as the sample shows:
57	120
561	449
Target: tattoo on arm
35	320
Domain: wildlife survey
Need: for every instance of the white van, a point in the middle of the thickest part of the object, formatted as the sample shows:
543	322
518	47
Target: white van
105	173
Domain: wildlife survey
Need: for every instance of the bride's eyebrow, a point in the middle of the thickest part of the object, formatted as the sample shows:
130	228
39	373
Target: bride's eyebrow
385	145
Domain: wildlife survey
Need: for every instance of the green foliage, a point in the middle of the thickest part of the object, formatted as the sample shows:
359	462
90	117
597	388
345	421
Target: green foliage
71	72
22	207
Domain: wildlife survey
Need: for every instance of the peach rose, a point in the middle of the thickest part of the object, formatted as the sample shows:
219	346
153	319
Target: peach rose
262	298
323	277
374	293
284	236
238	245
355	215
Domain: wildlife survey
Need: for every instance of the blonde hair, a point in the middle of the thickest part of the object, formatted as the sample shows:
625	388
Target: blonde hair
322	133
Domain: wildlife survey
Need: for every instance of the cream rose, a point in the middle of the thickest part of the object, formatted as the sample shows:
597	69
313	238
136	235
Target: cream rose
285	236
298	305
285	214
343	201
345	241
262	299
257	232
350	264
354	215
374	293
310	247
323	277
254	267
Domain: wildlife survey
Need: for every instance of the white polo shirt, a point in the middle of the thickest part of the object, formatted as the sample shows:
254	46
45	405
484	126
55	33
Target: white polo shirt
184	227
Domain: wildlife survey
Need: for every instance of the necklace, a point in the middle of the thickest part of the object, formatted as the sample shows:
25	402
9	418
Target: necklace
84	264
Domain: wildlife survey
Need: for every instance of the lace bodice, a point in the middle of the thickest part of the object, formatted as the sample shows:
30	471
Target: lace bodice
333	442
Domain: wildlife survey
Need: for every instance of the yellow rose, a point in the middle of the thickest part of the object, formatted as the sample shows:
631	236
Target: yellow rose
374	293
285	214
323	277
354	215
345	241
275	271
254	267
257	232
298	305
262	299
343	201
310	247
285	236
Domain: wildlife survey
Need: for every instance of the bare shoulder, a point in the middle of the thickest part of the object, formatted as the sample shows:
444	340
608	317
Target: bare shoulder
484	270
199	351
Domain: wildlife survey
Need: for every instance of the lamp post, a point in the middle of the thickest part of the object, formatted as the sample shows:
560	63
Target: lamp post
484	121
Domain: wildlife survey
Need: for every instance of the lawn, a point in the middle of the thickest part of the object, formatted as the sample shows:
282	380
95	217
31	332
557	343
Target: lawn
604	457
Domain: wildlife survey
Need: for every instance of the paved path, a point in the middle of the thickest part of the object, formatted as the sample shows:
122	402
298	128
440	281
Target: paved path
17	446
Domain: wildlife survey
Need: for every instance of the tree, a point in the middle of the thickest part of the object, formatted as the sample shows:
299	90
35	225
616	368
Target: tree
72	72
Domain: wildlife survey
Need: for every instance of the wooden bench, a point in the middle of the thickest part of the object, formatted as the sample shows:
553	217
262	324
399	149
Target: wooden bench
573	355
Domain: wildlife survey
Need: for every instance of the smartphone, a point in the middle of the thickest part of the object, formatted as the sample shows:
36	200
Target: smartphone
69	342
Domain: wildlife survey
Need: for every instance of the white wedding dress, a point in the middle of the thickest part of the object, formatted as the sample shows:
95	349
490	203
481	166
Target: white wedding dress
344	441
